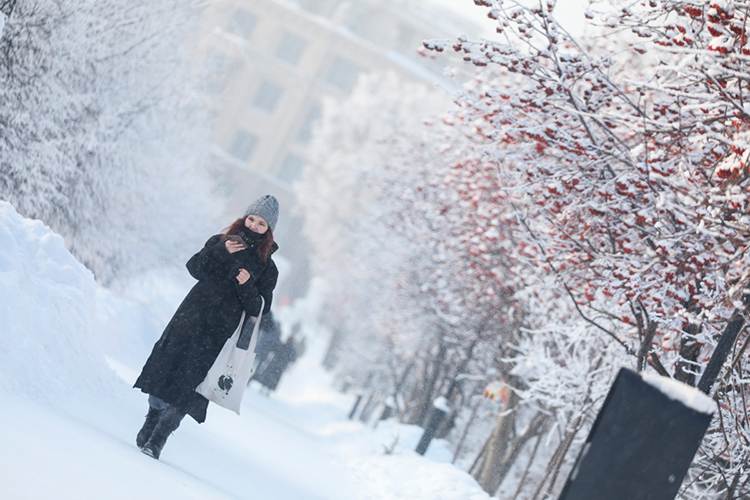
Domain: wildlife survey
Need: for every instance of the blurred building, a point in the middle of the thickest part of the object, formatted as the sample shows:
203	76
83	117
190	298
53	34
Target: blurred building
279	60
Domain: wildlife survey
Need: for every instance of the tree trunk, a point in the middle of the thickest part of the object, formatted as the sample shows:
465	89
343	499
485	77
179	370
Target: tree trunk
480	456
465	433
558	457
413	396
424	405
400	387
513	450
554	463
332	352
722	349
528	467
489	475
648	337
7	6
689	351
368	408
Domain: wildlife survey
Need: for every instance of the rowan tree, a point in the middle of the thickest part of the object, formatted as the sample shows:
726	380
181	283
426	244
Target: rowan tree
629	179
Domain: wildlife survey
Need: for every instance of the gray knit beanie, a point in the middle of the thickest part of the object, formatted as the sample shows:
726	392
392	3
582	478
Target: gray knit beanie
267	207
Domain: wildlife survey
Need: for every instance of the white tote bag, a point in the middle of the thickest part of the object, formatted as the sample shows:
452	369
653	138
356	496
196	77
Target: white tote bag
227	378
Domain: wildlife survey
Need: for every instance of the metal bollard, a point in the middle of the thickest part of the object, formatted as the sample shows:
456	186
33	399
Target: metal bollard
440	409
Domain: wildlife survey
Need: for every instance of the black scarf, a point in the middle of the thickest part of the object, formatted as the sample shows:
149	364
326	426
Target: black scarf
251	238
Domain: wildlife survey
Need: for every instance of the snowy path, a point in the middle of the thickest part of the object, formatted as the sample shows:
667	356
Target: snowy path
258	455
68	421
271	451
295	444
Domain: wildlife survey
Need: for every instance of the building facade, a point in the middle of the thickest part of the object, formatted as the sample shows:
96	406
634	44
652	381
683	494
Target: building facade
279	61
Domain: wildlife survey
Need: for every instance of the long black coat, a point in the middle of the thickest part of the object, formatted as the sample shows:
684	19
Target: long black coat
204	321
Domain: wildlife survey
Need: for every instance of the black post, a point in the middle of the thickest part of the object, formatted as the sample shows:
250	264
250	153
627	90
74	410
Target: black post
439	410
641	443
723	348
440	405
388	410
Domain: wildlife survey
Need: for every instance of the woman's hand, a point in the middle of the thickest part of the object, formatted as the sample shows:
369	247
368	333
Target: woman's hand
234	246
243	276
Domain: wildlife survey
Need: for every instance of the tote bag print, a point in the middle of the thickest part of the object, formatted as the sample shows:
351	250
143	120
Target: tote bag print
227	378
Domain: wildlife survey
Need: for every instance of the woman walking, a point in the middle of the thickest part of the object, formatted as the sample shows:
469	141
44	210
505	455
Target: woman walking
234	270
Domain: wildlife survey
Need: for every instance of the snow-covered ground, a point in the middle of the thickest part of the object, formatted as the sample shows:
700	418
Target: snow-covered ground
69	353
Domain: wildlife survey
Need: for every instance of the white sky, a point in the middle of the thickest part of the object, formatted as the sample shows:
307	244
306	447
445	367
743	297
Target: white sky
569	13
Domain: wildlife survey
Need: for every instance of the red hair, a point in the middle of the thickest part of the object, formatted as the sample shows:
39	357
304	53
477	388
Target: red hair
265	244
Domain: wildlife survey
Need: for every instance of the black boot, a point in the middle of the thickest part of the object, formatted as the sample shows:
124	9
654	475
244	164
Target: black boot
168	423
152	418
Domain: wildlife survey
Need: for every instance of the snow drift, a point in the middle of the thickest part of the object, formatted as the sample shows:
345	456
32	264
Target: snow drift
47	300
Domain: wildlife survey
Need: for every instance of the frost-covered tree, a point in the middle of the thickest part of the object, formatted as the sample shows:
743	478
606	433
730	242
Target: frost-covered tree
629	182
408	314
338	196
102	129
588	210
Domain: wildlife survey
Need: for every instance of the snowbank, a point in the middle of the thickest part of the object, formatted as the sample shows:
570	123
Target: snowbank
130	318
47	299
379	458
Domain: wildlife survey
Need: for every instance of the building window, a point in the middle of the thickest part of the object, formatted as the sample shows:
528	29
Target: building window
291	48
291	168
267	97
243	23
305	132
243	145
343	75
